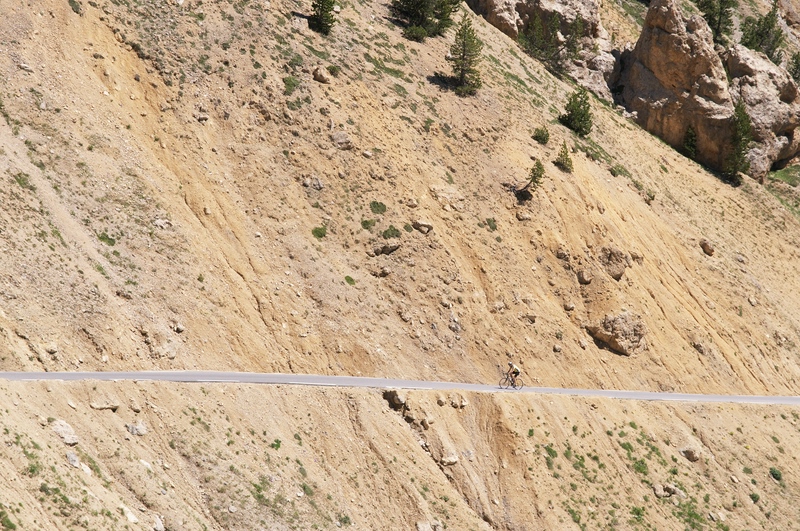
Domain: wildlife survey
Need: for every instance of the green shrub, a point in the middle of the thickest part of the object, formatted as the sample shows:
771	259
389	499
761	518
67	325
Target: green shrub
775	473
391	232
367	224
334	70
551	452
290	83
276	444
618	169
755	497
350	280
578	115
377	207
415	33
319	232
564	161
76	7
492	224
541	135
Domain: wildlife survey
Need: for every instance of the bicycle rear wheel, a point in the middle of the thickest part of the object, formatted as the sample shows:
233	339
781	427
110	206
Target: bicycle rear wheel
518	383
505	383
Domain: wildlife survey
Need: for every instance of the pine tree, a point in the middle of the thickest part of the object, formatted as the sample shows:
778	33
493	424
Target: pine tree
737	162
564	161
540	39
535	176
764	34
794	67
424	18
578	115
719	15
465	54
690	142
322	18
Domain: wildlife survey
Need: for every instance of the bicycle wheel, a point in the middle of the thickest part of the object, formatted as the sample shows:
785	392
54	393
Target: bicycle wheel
518	383
505	383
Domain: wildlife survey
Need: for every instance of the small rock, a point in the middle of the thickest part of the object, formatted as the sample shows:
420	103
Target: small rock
341	140
42	421
232	509
692	454
423	226
585	277
72	459
556	348
387	248
367	154
65	431
707	247
138	428
128	514
135	406
569	306
162	224
23	66
752	301
583	343
523	216
412	203
449	460
51	349
395	398
321	75
109	404
86	469
734	479
158	524
179	328
337	9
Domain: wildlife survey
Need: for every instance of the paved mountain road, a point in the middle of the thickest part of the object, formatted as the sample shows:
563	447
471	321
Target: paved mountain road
382	383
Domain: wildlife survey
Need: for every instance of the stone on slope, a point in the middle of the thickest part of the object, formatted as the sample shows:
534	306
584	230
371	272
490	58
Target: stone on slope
138	428
65	431
623	333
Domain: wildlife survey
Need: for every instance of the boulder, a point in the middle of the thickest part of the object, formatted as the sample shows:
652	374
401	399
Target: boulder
614	262
65	431
138	428
673	79
341	140
623	333
690	453
772	101
321	75
707	247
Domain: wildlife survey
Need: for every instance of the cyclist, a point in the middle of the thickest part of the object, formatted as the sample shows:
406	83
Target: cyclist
513	373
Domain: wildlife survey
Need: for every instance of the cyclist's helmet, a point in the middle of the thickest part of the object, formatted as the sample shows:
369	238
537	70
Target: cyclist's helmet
510	364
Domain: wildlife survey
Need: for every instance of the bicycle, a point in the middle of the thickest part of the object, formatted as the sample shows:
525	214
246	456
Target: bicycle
507	382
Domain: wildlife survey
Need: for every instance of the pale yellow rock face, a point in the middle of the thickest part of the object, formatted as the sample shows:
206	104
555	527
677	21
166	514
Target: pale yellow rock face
177	195
674	79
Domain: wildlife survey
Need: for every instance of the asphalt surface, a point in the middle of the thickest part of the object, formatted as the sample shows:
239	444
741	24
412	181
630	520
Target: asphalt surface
382	383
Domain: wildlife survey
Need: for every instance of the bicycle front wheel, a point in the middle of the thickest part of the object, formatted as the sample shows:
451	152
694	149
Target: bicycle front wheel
518	383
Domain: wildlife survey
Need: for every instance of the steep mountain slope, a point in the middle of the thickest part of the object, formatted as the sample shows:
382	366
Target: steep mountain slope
170	168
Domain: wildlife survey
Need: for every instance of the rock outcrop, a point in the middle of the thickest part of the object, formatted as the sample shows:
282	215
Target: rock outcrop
673	79
772	102
623	333
595	65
